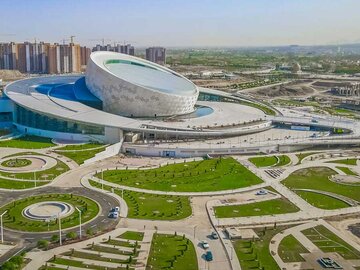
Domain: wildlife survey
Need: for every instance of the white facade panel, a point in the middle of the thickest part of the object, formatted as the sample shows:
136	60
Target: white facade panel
126	98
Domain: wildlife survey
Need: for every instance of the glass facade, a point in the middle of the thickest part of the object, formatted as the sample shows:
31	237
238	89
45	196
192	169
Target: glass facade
32	119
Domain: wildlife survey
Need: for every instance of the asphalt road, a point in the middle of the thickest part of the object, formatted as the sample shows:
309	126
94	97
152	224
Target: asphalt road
28	240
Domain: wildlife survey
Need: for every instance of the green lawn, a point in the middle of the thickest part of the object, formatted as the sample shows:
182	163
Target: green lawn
84	146
301	156
14	218
197	176
16	163
131	235
153	206
28	142
48	174
264	161
348	161
321	201
256	254
270	207
317	178
13	184
327	241
290	249
283	160
80	156
267	161
346	170
172	252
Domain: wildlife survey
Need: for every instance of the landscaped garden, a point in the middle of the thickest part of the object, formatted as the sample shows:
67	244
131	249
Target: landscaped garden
114	253
317	178
48	174
152	206
28	142
290	249
270	207
171	252
327	241
267	161
255	254
16	163
14	218
82	152
196	176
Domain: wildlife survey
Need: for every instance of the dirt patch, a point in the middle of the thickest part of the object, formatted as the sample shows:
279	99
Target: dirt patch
284	90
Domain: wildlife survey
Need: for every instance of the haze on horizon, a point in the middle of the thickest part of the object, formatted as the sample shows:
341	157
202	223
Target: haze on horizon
185	23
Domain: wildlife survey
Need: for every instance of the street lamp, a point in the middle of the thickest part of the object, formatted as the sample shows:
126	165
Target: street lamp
59	219
79	220
1	224
194	230
35	178
102	180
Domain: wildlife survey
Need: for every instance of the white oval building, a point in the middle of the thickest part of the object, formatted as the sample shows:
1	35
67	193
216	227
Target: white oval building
130	86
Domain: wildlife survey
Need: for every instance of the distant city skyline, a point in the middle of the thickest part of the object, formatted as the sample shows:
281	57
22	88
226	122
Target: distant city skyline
205	23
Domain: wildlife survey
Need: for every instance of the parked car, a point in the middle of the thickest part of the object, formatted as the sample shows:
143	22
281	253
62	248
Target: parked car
115	209
205	244
214	235
113	215
208	256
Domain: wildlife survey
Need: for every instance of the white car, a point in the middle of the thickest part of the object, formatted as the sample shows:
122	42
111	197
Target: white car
205	244
214	235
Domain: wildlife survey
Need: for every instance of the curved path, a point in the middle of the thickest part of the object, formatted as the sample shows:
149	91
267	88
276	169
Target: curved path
29	239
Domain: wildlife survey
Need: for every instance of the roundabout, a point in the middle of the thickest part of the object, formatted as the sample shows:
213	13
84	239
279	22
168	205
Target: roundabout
17	162
27	163
46	211
41	213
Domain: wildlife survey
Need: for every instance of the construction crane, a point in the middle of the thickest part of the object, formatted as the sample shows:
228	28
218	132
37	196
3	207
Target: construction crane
103	40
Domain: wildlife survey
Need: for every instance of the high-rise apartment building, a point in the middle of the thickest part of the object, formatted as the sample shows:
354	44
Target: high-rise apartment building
8	55
156	55
43	57
126	49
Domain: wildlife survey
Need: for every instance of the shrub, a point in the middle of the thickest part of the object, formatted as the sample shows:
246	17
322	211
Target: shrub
43	244
71	235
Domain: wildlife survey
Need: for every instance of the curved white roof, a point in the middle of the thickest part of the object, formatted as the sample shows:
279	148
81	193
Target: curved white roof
144	73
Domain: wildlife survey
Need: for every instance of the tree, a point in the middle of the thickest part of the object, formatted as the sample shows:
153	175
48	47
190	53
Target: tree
43	244
71	235
55	238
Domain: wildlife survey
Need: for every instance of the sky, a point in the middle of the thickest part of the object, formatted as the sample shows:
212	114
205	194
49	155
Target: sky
183	23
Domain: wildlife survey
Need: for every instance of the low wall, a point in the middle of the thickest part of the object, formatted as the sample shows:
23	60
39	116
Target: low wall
158	151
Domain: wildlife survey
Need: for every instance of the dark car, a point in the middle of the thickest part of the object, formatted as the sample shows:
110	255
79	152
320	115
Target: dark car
208	256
